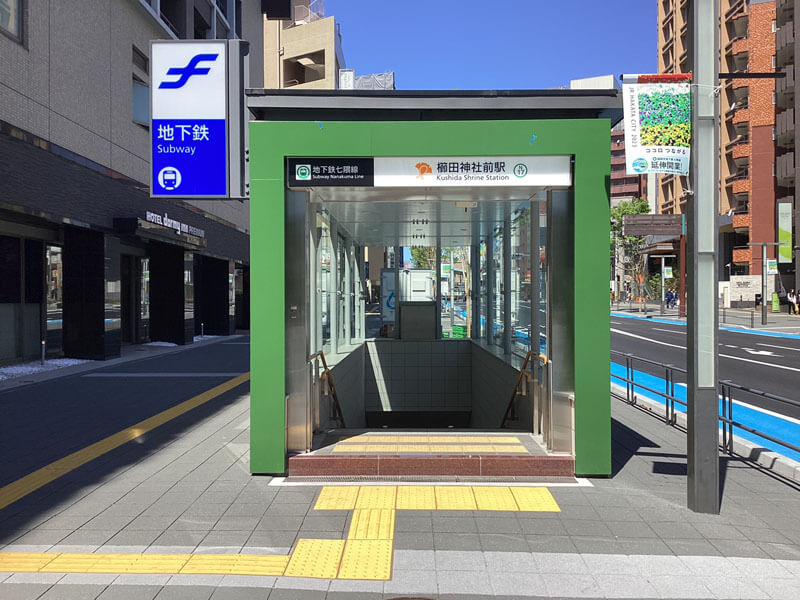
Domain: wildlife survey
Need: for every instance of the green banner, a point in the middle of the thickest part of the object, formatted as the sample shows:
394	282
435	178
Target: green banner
785	232
776	303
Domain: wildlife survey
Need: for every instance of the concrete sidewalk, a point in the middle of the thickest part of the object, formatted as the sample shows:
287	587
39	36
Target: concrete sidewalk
186	490
746	319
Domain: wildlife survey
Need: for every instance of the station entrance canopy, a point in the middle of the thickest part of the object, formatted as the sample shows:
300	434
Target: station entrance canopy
522	172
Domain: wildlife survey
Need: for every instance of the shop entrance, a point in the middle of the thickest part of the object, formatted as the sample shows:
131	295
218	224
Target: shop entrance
481	337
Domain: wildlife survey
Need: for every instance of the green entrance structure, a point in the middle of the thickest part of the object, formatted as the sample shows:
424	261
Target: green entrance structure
557	236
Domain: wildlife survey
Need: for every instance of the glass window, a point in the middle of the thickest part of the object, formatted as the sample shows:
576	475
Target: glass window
11	18
520	287
499	286
324	281
483	290
55	297
10	290
140	102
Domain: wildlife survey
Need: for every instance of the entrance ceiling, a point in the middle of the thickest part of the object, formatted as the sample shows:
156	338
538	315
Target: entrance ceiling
421	217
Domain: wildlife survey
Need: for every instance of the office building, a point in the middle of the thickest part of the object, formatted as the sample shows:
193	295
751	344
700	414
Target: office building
88	260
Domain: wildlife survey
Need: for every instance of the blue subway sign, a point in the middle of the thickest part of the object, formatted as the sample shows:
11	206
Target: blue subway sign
188	127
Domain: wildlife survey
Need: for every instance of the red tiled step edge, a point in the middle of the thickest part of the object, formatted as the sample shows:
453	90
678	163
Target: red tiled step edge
310	465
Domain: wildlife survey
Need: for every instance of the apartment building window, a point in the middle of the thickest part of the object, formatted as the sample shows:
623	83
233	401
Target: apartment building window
140	91
11	18
774	26
773	61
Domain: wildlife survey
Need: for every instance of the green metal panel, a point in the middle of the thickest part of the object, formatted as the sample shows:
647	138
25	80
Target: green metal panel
587	139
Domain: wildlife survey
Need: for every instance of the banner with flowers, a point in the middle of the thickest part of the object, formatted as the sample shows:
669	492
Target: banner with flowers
658	127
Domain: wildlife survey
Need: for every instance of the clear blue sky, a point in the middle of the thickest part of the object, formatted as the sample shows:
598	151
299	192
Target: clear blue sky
500	44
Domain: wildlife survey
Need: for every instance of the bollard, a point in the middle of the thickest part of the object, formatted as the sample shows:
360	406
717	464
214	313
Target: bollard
723	314
752	319
202	329
662	307
44	347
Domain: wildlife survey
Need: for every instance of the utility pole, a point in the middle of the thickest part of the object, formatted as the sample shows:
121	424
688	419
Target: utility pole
702	322
763	277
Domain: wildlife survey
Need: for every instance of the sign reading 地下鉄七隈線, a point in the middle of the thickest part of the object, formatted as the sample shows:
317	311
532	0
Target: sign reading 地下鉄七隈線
189	104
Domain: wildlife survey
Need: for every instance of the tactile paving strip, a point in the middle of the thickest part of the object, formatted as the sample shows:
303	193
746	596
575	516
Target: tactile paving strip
376	497
372	524
416	497
236	564
367	559
454	498
315	558
536	499
494	498
337	498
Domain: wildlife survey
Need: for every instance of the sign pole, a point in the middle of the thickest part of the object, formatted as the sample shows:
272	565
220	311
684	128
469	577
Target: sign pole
702	322
764	273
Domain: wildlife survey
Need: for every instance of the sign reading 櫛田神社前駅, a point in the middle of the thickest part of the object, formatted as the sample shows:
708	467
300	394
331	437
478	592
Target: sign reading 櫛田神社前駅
188	128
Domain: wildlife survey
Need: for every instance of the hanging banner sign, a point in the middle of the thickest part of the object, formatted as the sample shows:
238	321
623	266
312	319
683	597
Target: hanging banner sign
784	232
658	124
667	272
188	128
772	266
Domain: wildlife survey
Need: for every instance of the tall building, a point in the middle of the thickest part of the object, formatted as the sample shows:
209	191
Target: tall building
304	52
747	163
88	260
624	186
786	49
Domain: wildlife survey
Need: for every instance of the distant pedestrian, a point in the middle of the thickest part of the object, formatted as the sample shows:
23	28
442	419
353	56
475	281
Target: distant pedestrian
793	299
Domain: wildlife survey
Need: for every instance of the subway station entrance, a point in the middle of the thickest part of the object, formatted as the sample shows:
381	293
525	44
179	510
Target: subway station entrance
429	283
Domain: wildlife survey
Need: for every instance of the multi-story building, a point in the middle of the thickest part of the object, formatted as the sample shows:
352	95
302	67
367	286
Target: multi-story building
85	265
624	186
786	129
747	182
304	52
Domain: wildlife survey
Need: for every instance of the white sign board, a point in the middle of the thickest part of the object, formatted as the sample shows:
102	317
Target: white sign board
469	171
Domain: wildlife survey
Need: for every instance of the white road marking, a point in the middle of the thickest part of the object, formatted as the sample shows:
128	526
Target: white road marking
123	374
730	346
757	362
781	347
761	352
616	322
669	330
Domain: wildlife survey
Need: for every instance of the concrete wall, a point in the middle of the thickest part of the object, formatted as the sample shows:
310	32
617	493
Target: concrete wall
493	380
283	44
418	376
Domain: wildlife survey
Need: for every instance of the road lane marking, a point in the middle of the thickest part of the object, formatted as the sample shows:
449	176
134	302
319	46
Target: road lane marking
49	473
781	347
646	339
669	331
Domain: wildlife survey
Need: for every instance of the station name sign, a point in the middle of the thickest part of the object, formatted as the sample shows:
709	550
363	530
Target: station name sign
166	221
429	171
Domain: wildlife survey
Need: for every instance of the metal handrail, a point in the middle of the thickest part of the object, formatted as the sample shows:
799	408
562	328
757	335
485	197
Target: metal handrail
328	374
726	418
520	377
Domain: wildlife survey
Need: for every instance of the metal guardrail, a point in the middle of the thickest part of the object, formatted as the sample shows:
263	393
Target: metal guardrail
668	393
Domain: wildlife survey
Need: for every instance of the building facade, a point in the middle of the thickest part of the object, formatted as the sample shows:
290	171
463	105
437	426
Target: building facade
748	186
787	49
88	260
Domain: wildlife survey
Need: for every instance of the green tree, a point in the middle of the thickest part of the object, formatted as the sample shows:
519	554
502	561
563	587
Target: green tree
423	257
630	246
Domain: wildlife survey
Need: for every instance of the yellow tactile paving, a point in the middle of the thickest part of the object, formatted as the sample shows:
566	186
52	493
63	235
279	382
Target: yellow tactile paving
494	498
511	449
367	559
337	498
351	448
454	498
376	497
372	524
235	564
315	558
416	497
538	499
23	562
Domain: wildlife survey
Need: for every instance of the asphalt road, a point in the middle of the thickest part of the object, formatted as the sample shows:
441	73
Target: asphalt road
766	363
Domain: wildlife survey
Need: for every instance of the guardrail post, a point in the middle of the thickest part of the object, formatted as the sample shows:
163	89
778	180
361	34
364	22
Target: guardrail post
752	319
667	377
723	314
628	380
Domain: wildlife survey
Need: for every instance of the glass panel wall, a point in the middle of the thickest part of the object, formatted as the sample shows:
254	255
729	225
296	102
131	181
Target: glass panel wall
324	280
520	287
55	298
498	308
483	291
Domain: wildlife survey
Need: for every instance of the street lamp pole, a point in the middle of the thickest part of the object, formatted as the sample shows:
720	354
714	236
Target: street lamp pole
763	277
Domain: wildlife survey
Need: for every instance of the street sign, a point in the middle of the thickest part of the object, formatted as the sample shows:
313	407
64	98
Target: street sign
188	128
652	225
772	266
667	272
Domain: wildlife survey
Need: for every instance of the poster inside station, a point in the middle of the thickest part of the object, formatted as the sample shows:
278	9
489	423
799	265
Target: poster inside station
658	124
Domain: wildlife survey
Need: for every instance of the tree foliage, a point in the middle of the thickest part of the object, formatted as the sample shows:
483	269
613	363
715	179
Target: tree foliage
631	246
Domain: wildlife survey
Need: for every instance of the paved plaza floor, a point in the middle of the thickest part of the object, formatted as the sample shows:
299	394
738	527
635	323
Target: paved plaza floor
175	513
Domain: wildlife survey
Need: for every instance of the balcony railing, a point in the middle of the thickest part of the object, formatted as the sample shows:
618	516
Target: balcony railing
784	44
784	169
784	88
784	128
737	7
737	141
740	175
784	11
